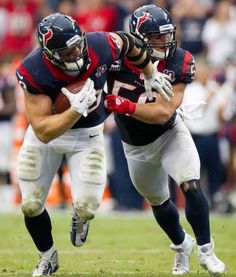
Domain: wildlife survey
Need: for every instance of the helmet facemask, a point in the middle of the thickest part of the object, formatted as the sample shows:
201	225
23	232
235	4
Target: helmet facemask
161	45
153	25
63	42
63	59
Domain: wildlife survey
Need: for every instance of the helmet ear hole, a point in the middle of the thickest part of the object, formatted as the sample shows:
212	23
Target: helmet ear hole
58	32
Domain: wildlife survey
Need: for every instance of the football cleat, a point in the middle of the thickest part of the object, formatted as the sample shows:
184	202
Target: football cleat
183	252
46	266
209	261
78	231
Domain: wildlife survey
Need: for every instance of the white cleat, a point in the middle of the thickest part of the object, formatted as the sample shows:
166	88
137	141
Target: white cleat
209	261
183	252
78	231
46	266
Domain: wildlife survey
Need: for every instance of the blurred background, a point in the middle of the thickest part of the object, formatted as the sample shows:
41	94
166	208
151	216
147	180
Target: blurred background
206	28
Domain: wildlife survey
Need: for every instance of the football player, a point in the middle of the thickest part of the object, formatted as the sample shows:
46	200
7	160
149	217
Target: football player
66	54
156	141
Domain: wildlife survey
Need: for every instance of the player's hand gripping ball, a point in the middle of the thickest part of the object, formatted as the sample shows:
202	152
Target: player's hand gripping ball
79	96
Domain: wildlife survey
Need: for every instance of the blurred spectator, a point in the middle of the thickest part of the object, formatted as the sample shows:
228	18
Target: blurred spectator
126	196
19	27
190	16
7	111
20	125
18	19
129	6
3	18
96	15
167	4
205	130
225	199
123	193
219	35
67	7
53	4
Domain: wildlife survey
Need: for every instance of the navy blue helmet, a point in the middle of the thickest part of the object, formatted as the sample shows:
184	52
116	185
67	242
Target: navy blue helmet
154	26
57	33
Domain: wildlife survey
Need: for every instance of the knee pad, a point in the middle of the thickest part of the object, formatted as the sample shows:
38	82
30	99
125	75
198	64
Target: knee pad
29	163
93	167
32	208
92	176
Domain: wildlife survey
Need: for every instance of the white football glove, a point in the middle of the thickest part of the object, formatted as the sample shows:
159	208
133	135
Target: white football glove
159	82
81	101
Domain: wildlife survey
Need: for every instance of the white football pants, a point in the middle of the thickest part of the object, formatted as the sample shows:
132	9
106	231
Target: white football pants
173	154
38	162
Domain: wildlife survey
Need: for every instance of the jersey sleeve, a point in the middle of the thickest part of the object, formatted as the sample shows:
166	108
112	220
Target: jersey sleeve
114	46
26	81
189	69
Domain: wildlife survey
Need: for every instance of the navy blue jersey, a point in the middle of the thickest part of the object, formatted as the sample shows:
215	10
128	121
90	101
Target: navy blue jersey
126	81
39	76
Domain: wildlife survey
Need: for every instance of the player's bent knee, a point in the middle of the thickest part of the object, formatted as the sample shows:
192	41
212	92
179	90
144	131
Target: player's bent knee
157	200
29	163
192	190
190	186
85	210
93	167
88	200
32	208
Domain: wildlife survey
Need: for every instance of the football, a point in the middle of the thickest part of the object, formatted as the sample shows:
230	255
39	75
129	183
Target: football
62	103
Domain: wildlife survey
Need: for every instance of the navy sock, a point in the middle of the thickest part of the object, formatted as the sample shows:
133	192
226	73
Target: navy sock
167	216
197	213
40	229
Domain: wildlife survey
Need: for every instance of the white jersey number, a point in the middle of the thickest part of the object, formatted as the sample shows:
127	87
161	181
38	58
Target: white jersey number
118	85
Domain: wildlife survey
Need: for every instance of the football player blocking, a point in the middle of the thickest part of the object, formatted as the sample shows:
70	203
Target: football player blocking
157	143
67	55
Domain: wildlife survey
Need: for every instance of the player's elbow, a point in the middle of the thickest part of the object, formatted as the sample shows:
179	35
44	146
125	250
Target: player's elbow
42	136
164	117
44	133
44	139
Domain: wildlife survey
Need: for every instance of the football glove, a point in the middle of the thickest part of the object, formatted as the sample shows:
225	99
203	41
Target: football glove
159	82
115	103
81	101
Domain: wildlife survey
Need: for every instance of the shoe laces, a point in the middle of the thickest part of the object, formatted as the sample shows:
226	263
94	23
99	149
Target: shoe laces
77	224
43	264
179	259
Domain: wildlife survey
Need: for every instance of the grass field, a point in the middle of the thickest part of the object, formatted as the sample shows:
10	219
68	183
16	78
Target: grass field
118	245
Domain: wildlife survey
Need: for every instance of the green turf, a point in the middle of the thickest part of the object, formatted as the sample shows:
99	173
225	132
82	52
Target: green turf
118	245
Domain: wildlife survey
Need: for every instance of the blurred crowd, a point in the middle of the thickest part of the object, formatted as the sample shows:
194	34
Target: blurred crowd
206	28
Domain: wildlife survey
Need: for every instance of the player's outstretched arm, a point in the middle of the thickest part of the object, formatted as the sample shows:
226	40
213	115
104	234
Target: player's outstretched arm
136	52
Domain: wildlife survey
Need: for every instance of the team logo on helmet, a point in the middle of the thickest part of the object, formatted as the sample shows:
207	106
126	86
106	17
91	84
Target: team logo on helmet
45	36
142	19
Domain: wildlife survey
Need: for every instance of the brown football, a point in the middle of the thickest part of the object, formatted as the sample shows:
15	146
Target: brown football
62	103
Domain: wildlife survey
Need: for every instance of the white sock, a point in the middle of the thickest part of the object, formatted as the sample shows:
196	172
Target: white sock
48	253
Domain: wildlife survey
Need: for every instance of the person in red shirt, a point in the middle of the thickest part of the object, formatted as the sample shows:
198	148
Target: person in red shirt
94	15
